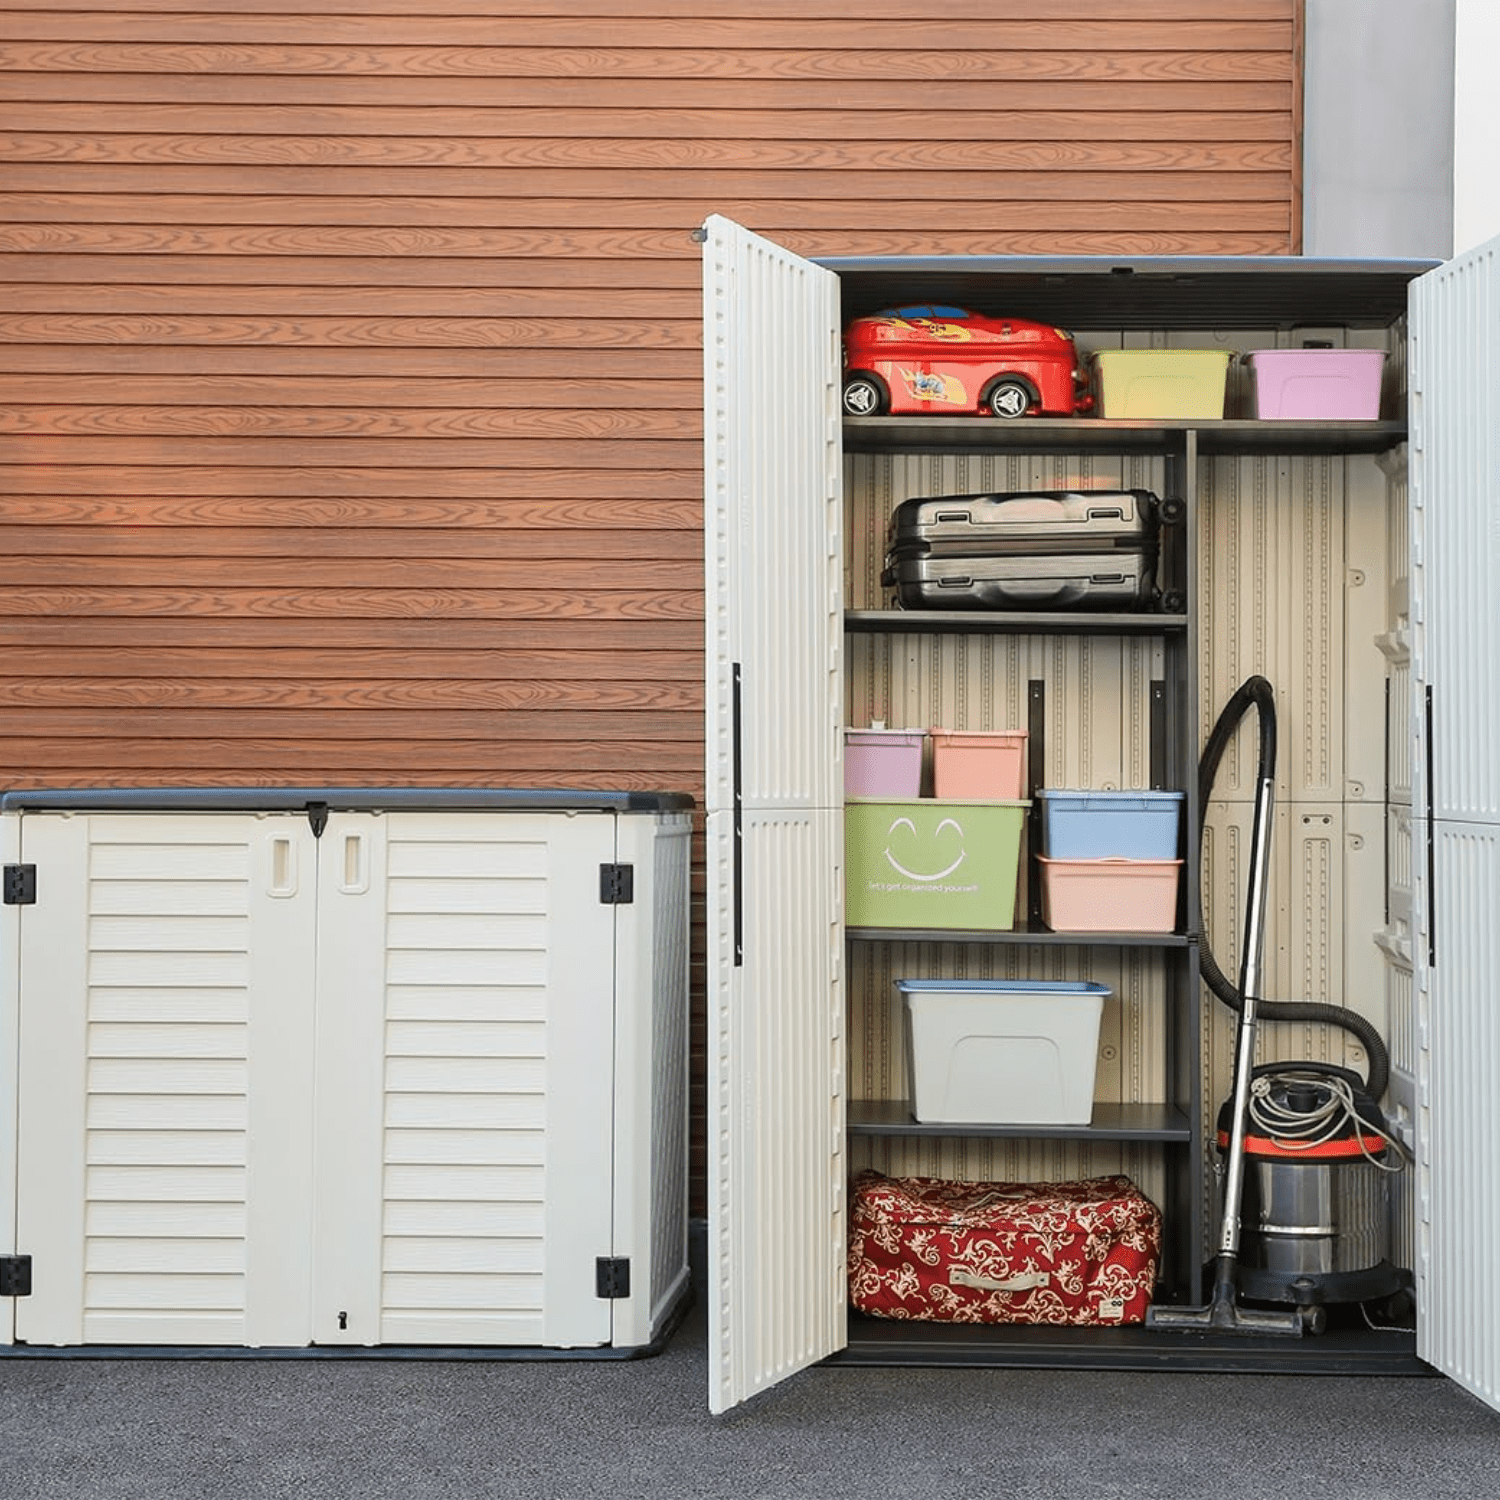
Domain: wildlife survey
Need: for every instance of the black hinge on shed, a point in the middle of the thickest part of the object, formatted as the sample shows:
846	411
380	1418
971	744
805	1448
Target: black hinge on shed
15	1275
616	884
612	1276
20	885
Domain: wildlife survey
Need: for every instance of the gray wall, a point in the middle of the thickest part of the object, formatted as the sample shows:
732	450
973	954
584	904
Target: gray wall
1378	129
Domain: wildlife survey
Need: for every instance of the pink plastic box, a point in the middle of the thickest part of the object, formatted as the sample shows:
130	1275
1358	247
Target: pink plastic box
1329	385
881	762
975	764
1109	895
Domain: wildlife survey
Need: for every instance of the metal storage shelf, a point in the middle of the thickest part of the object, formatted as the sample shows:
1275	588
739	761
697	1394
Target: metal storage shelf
1043	936
1012	622
1340	1351
1113	435
1113	1122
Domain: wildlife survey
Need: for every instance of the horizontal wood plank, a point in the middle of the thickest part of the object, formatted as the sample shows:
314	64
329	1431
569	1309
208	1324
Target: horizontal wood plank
294	364
604	772
89	633
192	85
452	524
395	758
496	553
1002	217
559	570
1052	11
932	238
552	134
1249	53
228	267
375	422
364	694
233	327
71	475
605	452
375	391
860	186
315	604
445	40
53	669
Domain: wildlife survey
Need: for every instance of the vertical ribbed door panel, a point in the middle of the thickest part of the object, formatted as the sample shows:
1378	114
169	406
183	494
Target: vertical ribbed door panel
1455	608
464	1083
774	832
166	1027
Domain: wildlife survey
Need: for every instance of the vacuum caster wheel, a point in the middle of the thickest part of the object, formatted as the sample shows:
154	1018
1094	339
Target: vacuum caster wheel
1314	1319
1399	1308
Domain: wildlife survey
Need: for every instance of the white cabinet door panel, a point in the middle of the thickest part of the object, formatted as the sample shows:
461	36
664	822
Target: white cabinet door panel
1455	611
773	528
165	1053
464	1149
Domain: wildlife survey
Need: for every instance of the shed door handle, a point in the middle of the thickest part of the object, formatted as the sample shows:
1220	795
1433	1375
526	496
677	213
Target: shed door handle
354	878
283	866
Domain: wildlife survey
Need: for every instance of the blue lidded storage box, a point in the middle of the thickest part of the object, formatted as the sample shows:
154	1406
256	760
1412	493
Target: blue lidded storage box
1110	825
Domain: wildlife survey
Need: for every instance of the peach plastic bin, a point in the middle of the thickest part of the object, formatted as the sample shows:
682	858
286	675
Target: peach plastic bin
1110	895
975	764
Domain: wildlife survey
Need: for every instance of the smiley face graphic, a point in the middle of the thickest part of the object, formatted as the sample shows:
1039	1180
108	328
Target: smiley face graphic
947	840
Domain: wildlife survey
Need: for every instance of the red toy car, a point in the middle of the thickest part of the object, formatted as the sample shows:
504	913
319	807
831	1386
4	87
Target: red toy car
944	359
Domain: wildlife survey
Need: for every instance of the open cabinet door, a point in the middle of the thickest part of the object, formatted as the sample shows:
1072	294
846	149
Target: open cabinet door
773	561
1455	612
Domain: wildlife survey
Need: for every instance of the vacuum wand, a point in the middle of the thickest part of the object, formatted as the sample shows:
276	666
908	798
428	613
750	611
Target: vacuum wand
1224	1313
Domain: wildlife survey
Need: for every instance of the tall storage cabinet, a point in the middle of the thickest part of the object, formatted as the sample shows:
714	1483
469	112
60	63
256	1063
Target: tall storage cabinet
1299	566
347	1069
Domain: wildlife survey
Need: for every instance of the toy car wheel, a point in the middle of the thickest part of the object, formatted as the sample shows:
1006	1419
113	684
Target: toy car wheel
1010	397
864	396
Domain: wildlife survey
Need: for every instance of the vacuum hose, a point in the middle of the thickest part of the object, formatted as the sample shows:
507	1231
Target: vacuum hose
1257	692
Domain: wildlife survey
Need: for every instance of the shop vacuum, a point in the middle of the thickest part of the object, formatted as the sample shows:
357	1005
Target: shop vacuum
1304	1149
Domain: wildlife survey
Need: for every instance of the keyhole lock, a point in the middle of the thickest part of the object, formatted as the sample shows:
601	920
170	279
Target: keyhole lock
343	1321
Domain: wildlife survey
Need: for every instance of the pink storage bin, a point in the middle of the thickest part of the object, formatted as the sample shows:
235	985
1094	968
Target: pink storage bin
1328	385
1110	895
974	765
881	762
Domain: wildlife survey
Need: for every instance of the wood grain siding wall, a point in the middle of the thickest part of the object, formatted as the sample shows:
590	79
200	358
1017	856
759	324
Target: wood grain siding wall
350	356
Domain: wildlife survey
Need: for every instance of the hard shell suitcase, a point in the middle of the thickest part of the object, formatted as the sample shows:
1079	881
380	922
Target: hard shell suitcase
1082	1253
1058	549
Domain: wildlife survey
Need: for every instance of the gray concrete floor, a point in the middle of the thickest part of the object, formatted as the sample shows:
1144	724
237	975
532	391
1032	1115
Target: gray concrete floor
363	1430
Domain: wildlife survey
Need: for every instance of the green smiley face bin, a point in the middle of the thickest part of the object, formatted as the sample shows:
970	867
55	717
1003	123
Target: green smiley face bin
931	863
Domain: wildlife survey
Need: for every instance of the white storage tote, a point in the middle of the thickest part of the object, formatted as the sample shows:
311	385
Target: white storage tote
1002	1052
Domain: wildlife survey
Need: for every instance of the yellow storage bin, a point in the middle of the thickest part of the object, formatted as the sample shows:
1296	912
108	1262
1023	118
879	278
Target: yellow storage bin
1161	382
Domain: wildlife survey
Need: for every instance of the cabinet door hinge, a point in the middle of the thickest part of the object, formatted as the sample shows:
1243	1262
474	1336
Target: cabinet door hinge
20	885
15	1275
612	1276
616	884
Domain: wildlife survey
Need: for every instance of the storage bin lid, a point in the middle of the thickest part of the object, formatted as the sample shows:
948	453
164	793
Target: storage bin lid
884	736
1000	987
1120	798
980	736
937	804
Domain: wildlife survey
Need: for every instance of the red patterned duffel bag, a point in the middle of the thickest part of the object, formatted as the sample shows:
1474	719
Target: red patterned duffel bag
1002	1252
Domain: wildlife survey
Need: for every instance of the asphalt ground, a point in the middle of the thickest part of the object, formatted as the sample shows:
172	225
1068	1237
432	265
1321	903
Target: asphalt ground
241	1429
